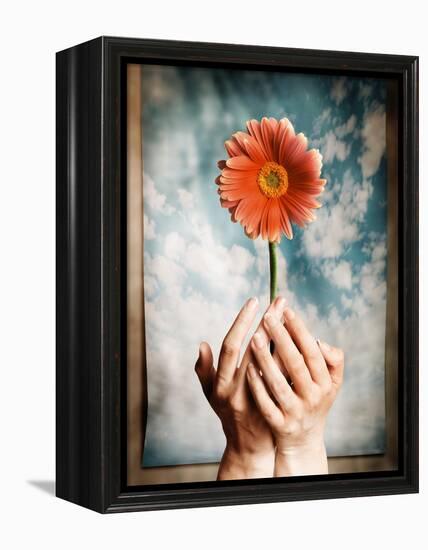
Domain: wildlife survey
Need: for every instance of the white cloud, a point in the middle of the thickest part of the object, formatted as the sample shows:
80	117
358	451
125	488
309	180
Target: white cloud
374	140
149	228
151	286
372	283
165	270
338	224
185	198
338	90
174	245
339	274
332	148
347	127
320	120
156	201
346	301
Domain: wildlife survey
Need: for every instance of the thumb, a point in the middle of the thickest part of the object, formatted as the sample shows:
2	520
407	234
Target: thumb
335	359
204	368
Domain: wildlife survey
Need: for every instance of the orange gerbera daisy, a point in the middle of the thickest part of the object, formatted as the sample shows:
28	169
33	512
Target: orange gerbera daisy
270	180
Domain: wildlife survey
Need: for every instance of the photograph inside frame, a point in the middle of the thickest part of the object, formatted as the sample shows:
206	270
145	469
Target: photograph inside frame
266	184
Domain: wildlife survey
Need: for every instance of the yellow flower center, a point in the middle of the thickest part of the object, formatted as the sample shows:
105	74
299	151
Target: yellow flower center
273	180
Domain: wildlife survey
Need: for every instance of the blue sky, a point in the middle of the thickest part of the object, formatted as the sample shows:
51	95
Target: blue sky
200	267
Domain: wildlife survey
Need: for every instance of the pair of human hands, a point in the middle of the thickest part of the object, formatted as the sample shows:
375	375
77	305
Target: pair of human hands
273	408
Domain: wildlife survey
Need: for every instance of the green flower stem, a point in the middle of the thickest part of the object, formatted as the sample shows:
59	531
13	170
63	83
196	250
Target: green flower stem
273	264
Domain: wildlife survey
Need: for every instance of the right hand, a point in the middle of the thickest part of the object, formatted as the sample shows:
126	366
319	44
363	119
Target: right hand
297	410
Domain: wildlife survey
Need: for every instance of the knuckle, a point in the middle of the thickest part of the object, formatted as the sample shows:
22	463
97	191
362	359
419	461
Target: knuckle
229	348
277	386
313	401
297	415
270	417
313	357
236	404
283	396
220	392
292	427
299	365
326	388
277	329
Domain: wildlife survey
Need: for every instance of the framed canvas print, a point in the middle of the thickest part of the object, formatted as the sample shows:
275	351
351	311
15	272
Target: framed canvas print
237	292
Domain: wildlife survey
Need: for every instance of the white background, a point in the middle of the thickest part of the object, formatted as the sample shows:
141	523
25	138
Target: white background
30	33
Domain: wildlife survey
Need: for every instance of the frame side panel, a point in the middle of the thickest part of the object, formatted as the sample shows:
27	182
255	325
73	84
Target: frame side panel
78	275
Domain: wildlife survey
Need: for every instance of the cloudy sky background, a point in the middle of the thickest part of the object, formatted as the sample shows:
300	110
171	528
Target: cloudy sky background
200	267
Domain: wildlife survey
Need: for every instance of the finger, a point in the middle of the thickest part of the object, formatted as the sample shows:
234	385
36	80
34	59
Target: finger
290	355
281	365
277	308
335	359
307	346
266	406
204	368
272	375
229	353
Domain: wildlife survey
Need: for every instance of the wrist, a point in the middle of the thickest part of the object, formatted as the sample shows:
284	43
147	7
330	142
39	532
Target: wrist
308	457
244	463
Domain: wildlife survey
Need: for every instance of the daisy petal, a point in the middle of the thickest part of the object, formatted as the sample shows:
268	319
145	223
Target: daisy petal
228	204
251	147
286	136
274	221
252	209
268	135
286	224
242	162
255	131
304	199
232	147
231	174
294	151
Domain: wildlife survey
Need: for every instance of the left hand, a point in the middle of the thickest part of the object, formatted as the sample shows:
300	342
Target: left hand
250	450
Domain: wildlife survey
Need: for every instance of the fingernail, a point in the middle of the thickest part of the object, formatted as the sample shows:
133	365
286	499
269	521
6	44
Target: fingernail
252	303
326	346
270	319
289	314
280	302
258	340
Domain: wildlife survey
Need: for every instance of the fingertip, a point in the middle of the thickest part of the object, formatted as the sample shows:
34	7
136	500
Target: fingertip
336	356
280	302
204	356
252	303
204	348
289	314
326	348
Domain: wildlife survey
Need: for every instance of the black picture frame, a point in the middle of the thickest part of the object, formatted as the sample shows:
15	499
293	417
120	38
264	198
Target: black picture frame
91	265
